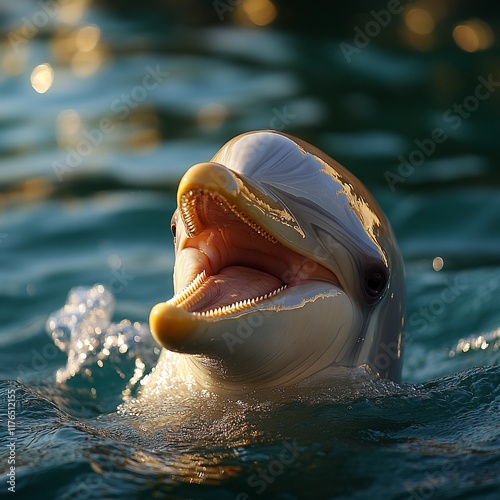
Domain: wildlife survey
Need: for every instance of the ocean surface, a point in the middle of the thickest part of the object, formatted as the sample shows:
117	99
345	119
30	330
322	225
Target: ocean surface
103	106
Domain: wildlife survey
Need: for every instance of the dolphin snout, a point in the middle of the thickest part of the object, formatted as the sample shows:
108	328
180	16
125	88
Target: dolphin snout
208	176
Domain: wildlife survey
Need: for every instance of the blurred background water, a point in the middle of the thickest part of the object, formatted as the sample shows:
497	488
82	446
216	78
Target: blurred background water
103	106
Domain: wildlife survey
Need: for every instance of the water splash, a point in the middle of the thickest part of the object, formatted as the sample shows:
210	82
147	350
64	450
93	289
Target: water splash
121	353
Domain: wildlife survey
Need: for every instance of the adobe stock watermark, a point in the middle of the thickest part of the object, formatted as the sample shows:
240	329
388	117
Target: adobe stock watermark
120	109
453	117
247	326
265	476
12	438
436	307
30	26
222	7
40	359
221	180
388	352
281	119
485	293
363	37
86	487
433	481
119	280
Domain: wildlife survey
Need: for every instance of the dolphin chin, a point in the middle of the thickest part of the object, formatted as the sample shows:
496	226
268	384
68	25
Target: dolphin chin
285	268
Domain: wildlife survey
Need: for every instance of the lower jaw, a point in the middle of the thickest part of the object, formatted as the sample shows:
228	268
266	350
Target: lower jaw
296	336
233	289
260	273
270	328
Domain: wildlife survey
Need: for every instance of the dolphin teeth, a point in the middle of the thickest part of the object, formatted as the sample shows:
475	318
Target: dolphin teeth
189	213
238	306
188	290
244	218
192	219
185	294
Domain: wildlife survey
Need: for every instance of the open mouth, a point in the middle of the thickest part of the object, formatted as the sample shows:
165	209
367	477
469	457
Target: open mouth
229	262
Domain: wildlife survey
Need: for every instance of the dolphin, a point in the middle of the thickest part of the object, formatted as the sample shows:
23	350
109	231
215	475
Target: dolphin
286	271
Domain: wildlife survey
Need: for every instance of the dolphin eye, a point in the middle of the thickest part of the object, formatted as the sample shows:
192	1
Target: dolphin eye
375	283
173	224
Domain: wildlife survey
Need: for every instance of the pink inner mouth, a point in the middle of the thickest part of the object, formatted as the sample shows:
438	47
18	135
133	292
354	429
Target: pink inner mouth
240	264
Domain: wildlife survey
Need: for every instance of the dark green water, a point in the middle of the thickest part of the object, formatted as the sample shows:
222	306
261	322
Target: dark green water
88	175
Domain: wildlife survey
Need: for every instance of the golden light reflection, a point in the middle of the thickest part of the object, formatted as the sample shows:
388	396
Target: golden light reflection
42	78
80	48
192	468
489	340
437	263
145	140
142	130
473	35
62	45
68	126
86	63
359	205
87	38
419	20
72	11
33	189
14	62
257	12
212	116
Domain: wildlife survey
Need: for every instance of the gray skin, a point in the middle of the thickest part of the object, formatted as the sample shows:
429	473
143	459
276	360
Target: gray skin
332	246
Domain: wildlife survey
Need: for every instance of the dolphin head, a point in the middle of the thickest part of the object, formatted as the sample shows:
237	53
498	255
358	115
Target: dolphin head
286	268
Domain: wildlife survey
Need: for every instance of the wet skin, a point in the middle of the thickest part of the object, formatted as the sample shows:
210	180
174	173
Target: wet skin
286	269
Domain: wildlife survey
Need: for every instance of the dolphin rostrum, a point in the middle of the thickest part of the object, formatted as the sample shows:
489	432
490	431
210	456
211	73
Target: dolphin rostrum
286	269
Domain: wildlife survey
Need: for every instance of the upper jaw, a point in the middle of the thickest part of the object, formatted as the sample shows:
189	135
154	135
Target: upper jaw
249	200
216	238
229	264
226	238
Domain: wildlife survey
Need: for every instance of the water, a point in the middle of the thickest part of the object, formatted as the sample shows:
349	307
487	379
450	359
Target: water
88	201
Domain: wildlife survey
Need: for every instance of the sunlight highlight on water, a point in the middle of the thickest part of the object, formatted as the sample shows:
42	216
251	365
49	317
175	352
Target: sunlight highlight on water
42	78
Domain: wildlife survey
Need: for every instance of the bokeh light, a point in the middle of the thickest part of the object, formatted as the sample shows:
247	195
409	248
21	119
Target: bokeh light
72	11
473	35
80	49
85	64
438	263
257	12
68	127
42	78
419	21
141	131
14	62
212	116
87	38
